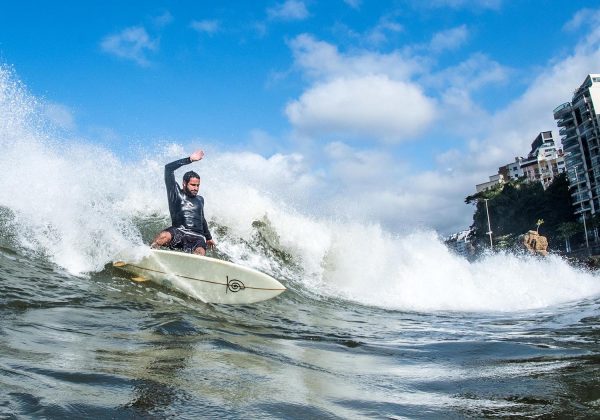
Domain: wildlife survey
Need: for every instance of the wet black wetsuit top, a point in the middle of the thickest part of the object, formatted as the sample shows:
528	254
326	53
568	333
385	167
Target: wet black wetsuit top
186	211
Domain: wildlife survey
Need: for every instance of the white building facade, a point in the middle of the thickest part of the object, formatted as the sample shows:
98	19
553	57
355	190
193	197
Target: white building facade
494	180
543	163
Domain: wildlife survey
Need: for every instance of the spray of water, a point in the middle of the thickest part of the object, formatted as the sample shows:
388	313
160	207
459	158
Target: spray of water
78	205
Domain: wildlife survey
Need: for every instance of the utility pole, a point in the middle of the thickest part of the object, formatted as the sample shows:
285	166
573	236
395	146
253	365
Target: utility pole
489	232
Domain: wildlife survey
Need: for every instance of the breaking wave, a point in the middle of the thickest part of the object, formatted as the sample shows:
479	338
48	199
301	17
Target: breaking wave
78	204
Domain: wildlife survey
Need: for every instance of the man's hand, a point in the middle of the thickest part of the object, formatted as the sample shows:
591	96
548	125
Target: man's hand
210	244
197	155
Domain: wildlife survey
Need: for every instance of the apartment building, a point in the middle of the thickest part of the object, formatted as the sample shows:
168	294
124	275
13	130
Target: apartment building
494	180
543	163
579	124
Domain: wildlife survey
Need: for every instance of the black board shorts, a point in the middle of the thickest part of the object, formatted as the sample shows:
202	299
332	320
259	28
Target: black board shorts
185	239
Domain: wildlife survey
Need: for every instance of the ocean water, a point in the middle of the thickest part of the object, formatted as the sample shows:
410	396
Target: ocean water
399	328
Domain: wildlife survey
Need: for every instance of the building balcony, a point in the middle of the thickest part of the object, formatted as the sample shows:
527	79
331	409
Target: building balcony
565	121
579	98
579	198
561	109
573	153
571	145
567	131
579	210
585	127
571	132
586	113
573	181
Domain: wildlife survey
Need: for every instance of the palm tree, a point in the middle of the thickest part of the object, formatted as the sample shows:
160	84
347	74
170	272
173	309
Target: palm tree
539	223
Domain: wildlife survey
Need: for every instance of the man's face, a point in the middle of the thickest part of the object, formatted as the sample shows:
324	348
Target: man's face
192	186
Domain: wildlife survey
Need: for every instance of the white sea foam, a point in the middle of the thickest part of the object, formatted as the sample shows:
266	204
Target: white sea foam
417	272
76	202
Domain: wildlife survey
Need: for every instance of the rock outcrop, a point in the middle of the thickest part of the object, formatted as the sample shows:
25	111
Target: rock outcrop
535	243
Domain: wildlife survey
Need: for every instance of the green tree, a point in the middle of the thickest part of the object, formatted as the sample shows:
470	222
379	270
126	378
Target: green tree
595	224
515	206
567	230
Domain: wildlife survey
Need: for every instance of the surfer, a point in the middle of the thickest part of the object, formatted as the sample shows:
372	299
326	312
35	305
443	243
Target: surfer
189	230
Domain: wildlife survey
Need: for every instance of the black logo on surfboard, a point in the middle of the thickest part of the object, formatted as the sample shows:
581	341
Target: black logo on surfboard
234	285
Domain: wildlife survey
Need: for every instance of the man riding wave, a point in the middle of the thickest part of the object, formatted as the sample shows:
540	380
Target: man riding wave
189	230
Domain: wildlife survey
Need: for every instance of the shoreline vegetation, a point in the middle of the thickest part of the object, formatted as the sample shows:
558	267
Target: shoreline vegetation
519	207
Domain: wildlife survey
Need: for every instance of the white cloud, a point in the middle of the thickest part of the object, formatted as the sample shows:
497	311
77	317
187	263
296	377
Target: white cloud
449	39
379	34
365	94
206	26
383	189
583	18
288	10
61	115
321	60
455	86
365	106
362	168
383	32
423	199
131	44
262	142
509	132
318	58
471	74
284	175
345	94
590	20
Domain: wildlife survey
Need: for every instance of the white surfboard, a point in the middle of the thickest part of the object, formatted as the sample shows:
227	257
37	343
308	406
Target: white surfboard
204	278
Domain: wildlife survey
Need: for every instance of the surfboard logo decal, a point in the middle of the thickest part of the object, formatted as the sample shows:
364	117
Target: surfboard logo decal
234	285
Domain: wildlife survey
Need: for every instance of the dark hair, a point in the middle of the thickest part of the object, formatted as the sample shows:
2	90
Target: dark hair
189	175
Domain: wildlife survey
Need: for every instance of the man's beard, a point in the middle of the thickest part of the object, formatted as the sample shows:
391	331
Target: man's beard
188	192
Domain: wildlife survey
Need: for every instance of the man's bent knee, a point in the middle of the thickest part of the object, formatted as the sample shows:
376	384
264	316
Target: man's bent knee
162	239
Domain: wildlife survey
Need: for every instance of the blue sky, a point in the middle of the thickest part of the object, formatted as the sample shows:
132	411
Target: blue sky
404	103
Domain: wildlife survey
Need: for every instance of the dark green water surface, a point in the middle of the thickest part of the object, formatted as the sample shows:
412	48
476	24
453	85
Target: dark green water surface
105	347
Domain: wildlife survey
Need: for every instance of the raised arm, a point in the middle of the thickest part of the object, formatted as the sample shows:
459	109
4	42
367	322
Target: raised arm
197	155
173	189
170	168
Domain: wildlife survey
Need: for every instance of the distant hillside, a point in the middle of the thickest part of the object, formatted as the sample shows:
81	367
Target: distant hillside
515	208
